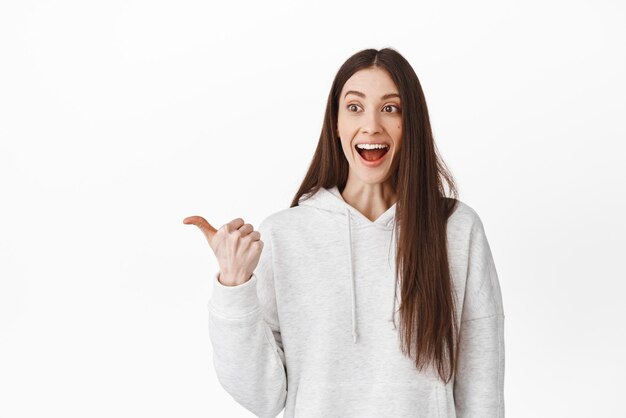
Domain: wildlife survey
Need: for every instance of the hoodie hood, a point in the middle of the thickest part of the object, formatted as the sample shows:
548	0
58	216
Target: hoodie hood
330	200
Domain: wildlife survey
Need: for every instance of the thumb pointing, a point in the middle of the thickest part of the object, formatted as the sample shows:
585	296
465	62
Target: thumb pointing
205	227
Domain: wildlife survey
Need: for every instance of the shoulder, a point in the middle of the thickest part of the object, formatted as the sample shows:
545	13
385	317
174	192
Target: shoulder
282	219
465	228
464	217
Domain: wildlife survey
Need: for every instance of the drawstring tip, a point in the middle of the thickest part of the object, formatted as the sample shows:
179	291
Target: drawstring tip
354	335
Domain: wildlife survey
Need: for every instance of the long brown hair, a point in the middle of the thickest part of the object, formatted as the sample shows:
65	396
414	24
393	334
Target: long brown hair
427	310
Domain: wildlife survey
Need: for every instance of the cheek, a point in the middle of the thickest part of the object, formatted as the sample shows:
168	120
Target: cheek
398	133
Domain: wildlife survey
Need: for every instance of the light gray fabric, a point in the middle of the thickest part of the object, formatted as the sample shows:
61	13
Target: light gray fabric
312	330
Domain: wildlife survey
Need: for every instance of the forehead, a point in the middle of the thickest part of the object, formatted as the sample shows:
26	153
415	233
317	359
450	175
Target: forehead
374	82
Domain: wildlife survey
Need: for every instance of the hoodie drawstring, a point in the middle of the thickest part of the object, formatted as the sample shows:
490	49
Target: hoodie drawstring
393	310
331	201
354	333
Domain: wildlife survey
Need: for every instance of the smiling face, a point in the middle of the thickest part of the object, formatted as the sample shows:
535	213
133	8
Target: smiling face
370	112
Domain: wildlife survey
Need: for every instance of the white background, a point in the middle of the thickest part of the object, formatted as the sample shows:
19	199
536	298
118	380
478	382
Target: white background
119	119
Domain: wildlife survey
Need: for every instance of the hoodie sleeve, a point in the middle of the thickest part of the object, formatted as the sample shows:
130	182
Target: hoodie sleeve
479	380
247	347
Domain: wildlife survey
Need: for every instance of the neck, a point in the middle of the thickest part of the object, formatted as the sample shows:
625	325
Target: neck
372	200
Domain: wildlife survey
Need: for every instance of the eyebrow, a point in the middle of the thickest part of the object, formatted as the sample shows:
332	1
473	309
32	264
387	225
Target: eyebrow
358	93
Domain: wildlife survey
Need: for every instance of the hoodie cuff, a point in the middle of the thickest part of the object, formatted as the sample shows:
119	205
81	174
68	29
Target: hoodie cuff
234	301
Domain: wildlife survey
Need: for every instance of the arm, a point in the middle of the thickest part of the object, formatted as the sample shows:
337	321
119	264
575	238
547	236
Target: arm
479	380
247	347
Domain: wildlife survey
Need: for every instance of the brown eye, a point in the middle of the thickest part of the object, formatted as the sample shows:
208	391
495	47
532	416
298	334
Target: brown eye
349	107
393	106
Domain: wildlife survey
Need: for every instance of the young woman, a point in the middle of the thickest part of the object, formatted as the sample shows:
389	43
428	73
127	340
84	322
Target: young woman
310	319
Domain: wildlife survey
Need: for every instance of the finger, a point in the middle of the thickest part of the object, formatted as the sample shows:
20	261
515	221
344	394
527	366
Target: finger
255	235
235	224
246	229
208	230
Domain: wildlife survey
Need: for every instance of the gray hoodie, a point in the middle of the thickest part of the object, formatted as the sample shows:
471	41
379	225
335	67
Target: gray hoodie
312	330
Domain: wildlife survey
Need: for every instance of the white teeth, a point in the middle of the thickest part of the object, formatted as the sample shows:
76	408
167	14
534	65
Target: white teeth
371	146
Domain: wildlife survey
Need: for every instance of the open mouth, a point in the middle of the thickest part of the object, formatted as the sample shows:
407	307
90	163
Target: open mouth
372	155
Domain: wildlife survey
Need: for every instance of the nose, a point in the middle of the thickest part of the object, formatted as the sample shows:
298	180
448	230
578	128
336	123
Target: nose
371	123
